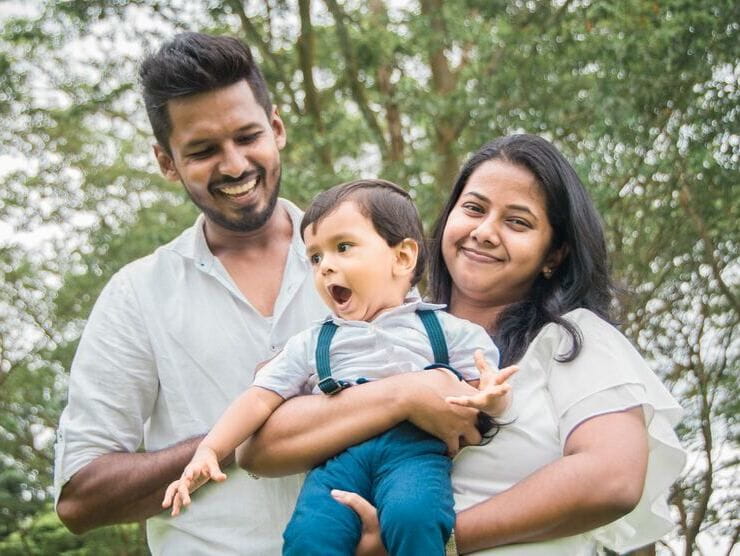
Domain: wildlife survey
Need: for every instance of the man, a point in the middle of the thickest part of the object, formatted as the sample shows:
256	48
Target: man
175	336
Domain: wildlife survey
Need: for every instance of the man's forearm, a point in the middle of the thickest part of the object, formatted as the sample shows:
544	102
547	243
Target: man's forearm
121	487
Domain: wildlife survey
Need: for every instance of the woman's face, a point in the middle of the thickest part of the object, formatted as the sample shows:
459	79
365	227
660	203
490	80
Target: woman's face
497	238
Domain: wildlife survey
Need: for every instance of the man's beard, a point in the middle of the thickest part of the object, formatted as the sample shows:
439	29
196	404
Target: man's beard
248	219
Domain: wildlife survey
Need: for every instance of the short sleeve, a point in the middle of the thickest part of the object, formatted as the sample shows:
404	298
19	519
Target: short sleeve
287	373
607	376
113	384
463	339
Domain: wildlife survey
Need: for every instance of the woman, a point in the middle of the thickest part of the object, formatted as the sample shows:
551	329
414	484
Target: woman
520	250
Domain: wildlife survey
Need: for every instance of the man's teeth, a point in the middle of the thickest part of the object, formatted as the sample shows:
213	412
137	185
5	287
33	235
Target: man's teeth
239	189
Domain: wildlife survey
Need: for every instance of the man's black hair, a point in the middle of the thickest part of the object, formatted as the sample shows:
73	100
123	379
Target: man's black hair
193	63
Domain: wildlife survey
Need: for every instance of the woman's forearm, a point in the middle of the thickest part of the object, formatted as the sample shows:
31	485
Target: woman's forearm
305	431
599	479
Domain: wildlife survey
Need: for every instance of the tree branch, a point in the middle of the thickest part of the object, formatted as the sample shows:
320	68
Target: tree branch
306	48
255	38
352	73
709	249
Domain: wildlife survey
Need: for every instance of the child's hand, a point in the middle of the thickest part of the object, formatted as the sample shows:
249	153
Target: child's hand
494	393
202	468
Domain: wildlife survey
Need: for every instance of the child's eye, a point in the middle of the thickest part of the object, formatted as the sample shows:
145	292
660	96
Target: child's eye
315	258
343	246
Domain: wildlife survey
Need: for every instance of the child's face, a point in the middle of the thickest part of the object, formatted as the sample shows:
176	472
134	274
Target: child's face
356	272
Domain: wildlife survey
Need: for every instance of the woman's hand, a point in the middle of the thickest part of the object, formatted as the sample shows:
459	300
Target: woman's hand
370	542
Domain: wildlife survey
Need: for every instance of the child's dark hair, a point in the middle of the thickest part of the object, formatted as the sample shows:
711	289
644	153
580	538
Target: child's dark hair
193	63
388	207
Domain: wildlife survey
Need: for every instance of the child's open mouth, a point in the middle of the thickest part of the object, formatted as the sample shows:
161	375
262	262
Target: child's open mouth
340	294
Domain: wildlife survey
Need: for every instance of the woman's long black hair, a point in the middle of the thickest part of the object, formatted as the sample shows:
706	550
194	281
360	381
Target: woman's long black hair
581	279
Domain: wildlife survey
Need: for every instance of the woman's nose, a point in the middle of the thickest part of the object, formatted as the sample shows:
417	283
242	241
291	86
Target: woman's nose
486	233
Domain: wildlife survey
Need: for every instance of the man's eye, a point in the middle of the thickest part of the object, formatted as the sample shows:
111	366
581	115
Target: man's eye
244	139
201	154
344	246
315	258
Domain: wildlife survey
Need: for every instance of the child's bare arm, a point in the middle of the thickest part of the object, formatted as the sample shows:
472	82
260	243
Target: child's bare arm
240	421
494	393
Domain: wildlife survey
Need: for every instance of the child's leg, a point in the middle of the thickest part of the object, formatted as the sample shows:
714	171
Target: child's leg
413	493
320	525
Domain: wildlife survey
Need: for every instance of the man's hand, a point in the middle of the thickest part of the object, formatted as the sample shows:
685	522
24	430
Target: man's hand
494	393
370	543
202	468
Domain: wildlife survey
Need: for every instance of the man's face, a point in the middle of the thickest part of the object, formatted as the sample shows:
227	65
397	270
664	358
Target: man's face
226	152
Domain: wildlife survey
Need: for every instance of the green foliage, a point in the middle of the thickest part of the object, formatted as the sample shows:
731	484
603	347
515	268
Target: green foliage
641	95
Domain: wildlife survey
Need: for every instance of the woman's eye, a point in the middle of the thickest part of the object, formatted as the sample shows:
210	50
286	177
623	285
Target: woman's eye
315	258
520	223
344	246
473	207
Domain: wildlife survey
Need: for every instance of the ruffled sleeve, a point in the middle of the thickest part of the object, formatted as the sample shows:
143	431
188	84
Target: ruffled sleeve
610	375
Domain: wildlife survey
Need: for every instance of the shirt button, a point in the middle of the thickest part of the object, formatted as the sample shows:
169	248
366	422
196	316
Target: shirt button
273	348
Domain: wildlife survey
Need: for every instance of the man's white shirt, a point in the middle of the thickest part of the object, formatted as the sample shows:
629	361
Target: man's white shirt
170	343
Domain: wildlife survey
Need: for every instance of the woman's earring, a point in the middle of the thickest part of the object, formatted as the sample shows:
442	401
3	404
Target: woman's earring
547	272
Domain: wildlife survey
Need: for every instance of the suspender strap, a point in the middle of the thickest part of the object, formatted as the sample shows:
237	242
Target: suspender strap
436	336
323	346
328	385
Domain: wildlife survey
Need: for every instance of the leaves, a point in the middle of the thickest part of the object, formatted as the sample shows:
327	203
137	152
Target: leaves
641	96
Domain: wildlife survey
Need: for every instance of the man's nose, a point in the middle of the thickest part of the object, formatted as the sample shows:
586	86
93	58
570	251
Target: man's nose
233	162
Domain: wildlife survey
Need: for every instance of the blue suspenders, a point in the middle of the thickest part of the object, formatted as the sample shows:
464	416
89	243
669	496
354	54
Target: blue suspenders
330	386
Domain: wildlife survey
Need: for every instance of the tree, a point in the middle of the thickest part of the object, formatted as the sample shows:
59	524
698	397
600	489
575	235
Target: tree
641	95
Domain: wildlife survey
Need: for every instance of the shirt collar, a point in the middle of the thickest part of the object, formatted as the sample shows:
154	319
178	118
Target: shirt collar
412	303
192	243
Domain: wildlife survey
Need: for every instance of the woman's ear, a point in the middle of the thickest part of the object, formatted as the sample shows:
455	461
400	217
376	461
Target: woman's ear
554	259
406	253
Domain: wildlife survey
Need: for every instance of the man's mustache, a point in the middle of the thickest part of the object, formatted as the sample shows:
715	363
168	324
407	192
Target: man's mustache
225	181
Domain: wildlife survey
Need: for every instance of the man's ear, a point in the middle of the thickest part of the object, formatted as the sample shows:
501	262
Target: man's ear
278	128
166	164
407	251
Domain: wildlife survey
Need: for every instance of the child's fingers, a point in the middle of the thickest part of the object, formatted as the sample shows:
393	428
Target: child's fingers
505	374
480	362
215	473
183	493
169	494
176	505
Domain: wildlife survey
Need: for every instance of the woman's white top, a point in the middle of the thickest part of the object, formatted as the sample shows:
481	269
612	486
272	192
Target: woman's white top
550	400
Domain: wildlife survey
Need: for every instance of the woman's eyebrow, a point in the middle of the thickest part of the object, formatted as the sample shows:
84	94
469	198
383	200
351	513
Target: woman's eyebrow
477	196
522	208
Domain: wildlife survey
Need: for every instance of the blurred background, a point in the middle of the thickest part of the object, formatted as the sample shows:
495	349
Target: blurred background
642	96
